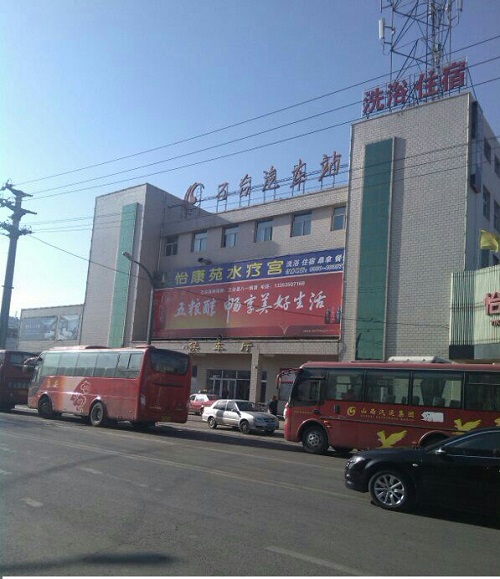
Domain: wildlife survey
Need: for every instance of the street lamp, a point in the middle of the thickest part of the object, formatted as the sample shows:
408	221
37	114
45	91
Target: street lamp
128	256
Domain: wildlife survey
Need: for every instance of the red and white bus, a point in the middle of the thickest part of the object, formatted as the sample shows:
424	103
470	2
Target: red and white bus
139	385
15	377
363	405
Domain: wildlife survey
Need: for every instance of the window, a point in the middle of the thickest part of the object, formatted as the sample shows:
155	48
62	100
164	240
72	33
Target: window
487	150
387	387
344	385
482	392
301	224
230	236
200	241
486	203
497	166
264	230
484	258
496	215
306	389
171	245
438	389
338	219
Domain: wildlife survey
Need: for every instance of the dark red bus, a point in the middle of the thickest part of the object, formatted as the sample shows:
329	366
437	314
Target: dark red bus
15	376
363	405
140	385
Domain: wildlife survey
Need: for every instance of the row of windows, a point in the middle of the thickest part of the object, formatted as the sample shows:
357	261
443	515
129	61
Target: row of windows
420	388
301	225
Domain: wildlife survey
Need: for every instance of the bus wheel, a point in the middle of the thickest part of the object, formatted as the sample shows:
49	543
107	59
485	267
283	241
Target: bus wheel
314	440
391	490
212	422
45	407
97	414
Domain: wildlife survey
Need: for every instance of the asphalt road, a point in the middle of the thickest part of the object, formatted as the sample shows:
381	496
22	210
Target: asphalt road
186	500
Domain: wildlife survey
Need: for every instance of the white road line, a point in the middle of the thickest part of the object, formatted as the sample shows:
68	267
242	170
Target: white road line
5	472
315	561
31	502
190	467
91	470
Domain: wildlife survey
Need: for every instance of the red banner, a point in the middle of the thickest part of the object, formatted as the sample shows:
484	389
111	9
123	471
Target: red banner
298	306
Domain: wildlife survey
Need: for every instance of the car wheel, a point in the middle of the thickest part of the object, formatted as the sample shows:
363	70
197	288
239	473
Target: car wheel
314	440
391	490
245	427
212	422
45	407
97	414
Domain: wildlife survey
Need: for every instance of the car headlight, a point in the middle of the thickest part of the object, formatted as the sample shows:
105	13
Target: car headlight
353	461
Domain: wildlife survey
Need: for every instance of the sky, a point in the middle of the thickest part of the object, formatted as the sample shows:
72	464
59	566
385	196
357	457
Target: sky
101	95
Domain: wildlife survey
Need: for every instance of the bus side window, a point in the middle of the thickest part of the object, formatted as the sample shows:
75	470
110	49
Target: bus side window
387	386
344	385
307	391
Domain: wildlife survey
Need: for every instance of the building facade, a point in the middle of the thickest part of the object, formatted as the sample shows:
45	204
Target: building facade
362	271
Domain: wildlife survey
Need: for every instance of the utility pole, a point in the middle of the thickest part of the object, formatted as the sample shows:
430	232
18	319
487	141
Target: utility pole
13	232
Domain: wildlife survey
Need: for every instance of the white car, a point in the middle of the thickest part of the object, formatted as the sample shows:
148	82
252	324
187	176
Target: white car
240	414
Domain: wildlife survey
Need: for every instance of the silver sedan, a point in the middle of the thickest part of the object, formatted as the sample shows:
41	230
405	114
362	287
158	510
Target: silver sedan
240	414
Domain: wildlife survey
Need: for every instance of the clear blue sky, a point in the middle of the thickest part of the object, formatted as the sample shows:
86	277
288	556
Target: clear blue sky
88	81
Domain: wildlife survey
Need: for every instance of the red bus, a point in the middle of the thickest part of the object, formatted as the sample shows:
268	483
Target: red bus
15	377
363	405
139	385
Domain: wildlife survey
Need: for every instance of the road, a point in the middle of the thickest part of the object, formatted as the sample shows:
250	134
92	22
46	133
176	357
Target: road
186	500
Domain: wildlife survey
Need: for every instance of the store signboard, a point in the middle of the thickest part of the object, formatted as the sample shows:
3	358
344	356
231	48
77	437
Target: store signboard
296	295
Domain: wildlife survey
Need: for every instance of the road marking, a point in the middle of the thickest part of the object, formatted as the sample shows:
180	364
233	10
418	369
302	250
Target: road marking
5	472
91	470
322	562
190	467
31	502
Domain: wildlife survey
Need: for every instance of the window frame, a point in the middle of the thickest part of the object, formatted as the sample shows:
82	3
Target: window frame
486	203
339	212
230	236
171	245
264	230
200	241
301	224
487	150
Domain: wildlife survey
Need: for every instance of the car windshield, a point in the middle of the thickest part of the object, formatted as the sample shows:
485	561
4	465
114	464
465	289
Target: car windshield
246	406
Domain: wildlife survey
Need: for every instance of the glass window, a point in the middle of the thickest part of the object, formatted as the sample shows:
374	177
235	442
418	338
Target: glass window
438	389
106	364
171	245
168	362
67	365
230	236
301	224
344	385
50	364
200	241
487	150
486	203
264	230
497	166
306	389
86	363
482	391
484	444
387	387
496	215
484	258
338	219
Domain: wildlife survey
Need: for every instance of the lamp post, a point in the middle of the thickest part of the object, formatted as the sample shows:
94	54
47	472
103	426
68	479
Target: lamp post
128	256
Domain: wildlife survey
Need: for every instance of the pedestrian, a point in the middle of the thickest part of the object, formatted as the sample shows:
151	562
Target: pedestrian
273	406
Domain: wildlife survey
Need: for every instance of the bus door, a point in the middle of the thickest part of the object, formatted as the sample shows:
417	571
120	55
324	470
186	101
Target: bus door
341	407
305	398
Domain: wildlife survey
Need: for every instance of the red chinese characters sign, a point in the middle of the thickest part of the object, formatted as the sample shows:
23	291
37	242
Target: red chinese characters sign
301	298
492	303
418	89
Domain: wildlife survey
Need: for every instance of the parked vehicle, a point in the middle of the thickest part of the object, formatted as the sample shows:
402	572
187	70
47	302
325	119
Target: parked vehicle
367	404
240	414
462	472
16	369
197	402
102	385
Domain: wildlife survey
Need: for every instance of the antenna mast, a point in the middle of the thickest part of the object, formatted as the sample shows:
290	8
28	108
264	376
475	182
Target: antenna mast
419	38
